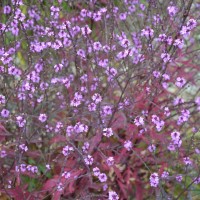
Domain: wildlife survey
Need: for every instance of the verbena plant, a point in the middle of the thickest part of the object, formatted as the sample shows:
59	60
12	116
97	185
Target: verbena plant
99	99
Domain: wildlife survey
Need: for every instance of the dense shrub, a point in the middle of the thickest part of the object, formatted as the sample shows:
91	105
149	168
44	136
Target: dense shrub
99	99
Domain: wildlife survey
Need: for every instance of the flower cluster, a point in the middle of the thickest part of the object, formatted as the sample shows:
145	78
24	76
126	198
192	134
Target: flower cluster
159	123
67	150
95	96
28	168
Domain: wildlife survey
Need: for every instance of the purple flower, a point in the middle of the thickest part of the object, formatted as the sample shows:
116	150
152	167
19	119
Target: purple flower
97	98
43	117
172	10
179	178
187	161
180	82
7	9
23	147
107	132
154	180
60	187
20	121
139	121
102	177
5	113
122	16
67	150
148	32
175	136
80	128
3	154
96	171
48	166
89	160
2	99
152	148
92	107
128	145
85	147
192	23
165	57
113	195
86	30
165	175
156	74
110	161
66	175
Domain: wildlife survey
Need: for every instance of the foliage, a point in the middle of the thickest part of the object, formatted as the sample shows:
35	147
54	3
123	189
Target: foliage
99	99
